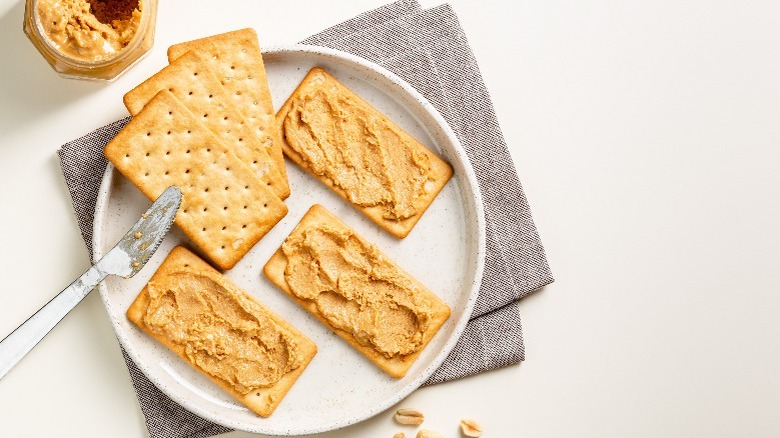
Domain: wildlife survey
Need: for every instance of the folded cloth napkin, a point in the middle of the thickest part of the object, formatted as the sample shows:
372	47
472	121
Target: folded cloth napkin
428	49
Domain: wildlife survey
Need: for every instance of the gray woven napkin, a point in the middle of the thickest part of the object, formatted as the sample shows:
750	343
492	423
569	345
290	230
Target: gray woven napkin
428	49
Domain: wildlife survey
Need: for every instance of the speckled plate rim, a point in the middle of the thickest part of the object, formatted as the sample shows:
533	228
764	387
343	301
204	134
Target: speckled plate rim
399	88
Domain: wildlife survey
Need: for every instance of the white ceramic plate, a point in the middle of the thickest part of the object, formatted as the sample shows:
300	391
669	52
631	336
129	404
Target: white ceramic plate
445	251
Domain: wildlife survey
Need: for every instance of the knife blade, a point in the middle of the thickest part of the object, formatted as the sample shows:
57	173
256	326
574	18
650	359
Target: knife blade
125	259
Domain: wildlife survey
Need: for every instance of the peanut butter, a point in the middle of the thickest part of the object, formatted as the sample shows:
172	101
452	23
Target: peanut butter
344	140
222	331
74	29
357	289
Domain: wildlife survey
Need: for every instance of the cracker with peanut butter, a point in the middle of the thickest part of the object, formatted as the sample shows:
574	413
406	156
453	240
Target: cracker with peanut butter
226	208
355	290
359	153
192	81
237	61
221	331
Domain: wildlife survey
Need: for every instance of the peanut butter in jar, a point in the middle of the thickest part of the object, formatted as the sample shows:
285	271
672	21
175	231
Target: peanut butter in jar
91	39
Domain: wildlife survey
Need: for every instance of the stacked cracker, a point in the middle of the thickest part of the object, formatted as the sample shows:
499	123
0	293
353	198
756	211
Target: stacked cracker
205	123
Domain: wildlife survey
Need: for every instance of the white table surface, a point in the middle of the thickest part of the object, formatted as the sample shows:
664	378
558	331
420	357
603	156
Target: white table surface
646	136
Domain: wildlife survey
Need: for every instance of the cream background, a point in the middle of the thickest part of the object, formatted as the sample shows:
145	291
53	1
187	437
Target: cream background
646	138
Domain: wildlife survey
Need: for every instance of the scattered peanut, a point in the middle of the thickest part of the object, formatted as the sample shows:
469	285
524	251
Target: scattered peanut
470	428
409	416
399	435
429	434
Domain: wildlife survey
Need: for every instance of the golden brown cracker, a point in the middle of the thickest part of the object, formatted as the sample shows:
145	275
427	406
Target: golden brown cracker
396	366
439	171
193	82
262	401
237	60
225	208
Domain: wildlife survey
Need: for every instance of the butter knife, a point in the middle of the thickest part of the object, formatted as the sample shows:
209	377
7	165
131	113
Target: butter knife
125	259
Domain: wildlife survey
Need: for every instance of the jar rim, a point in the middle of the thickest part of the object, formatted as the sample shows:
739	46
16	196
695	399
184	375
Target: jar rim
119	55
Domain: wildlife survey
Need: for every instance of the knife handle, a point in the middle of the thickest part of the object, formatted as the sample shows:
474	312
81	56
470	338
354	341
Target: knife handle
16	345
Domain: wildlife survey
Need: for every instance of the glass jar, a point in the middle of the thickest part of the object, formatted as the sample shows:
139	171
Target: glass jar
96	51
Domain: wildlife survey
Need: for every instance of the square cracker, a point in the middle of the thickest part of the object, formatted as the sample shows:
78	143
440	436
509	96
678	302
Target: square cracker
439	171
396	366
193	82
237	60
225	208
262	401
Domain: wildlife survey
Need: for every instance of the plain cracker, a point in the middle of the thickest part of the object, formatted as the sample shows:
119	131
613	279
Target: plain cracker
193	82
237	60
225	209
263	401
397	366
440	170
